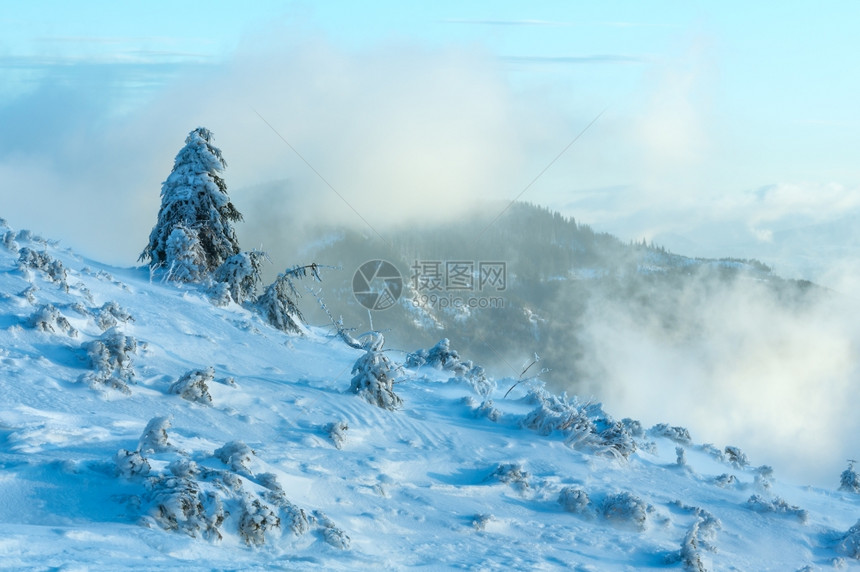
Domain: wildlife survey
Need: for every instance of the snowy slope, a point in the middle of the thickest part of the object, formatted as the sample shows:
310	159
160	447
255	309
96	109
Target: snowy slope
449	480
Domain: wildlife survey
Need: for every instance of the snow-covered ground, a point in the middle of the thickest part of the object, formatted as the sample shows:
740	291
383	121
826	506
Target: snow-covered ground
111	457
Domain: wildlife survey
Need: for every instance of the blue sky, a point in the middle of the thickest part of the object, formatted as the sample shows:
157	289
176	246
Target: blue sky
728	128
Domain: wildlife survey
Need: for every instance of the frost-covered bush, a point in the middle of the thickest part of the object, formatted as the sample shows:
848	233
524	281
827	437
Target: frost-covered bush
131	464
257	518
110	315
488	409
373	379
193	385
584	426
700	537
110	357
714	451
849	481
337	433
238	277
297	518
776	505
278	305
725	480
194	196
199	500
678	434
575	500
48	317
333	535
29	293
681	456
627	509
736	457
634	427
558	413
513	474
764	477
440	356
185	256
849	544
154	436
690	554
8	240
53	268
475	377
237	455
180	504
480	521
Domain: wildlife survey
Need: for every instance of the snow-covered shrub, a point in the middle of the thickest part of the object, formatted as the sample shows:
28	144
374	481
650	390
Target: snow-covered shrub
56	272
337	433
131	463
690	554
8	240
440	356
333	535
634	427
764	477
29	293
575	500
713	451
257	518
47	318
278	301
616	441
849	544
725	480
110	315
626	508
849	481
180	504
480	521
297	518
373	379
111	360
238	277
197	499
701	536
776	505
194	196
193	385
736	457
681	456
154	436
187	261
488	409
584	426
678	434
475	377
237	455
512	474
558	413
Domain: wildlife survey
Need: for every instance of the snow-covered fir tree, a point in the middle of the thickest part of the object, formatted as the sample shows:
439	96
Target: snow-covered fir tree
278	302
186	256
195	196
237	279
849	480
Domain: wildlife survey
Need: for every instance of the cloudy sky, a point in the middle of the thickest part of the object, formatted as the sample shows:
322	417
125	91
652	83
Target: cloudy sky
726	128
